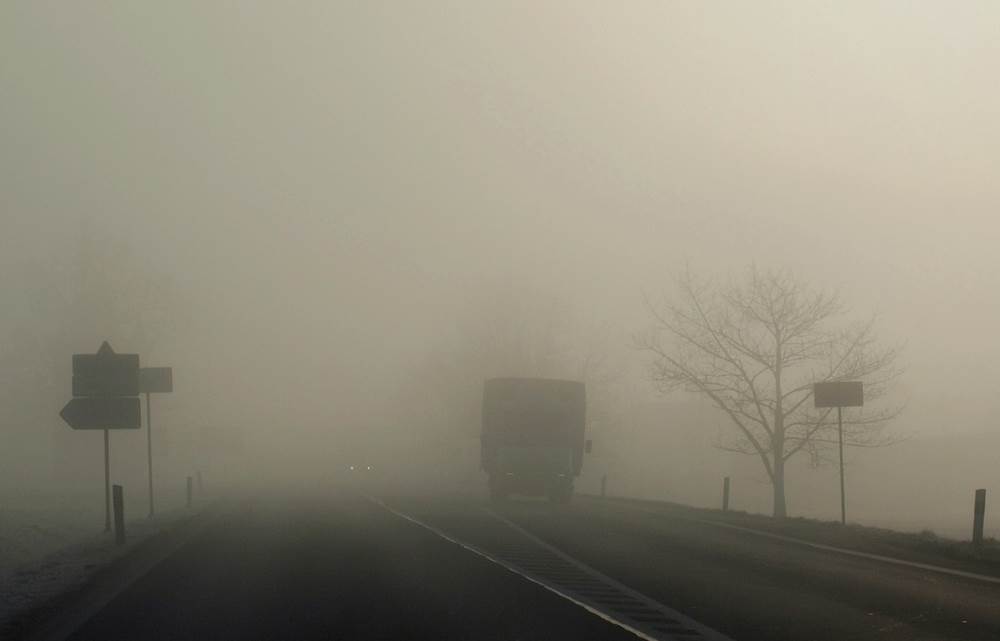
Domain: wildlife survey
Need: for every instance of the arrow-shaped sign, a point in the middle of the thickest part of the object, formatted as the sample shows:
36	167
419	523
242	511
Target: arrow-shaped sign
114	413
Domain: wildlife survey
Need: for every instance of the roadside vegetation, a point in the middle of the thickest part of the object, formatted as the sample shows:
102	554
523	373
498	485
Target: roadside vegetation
921	547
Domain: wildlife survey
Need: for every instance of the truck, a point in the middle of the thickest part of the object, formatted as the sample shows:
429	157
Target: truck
532	436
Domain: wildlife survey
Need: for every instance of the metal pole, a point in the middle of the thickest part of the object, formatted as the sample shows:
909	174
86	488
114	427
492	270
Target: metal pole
843	500
107	483
149	450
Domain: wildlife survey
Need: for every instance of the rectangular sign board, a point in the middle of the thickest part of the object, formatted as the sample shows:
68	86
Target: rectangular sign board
113	413
839	394
105	374
156	380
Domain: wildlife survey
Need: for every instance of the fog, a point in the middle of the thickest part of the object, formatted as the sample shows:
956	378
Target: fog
333	220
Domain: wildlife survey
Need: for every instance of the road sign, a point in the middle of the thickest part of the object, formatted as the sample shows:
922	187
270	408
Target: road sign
116	412
153	380
156	380
107	387
839	394
105	373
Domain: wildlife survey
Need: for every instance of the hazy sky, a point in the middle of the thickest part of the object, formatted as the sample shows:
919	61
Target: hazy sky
327	183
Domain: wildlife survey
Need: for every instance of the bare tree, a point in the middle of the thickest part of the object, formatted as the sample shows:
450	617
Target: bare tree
754	347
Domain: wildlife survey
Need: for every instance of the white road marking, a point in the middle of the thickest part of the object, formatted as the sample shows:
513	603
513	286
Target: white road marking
610	618
706	632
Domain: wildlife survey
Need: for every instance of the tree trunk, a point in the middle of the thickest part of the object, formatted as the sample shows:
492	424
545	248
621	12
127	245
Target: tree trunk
778	481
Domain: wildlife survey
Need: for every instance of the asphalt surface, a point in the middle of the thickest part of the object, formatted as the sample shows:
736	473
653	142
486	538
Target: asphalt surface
754	588
334	568
345	567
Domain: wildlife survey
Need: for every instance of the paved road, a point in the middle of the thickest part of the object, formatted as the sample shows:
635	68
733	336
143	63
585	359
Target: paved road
755	588
334	568
343	567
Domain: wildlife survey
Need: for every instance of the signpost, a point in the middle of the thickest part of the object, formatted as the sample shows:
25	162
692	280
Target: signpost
840	394
106	385
153	380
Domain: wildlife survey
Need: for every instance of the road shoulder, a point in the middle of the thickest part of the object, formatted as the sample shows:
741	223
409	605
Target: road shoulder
57	594
921	550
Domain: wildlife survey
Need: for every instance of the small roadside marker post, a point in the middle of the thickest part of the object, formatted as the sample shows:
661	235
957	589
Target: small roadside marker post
604	485
119	503
190	484
725	494
839	394
979	517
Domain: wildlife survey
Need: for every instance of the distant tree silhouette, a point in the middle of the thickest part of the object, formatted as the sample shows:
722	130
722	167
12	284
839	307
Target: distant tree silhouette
754	347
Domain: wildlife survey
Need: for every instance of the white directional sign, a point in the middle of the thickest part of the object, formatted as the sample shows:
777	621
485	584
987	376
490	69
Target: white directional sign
156	380
106	385
839	394
105	373
112	413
